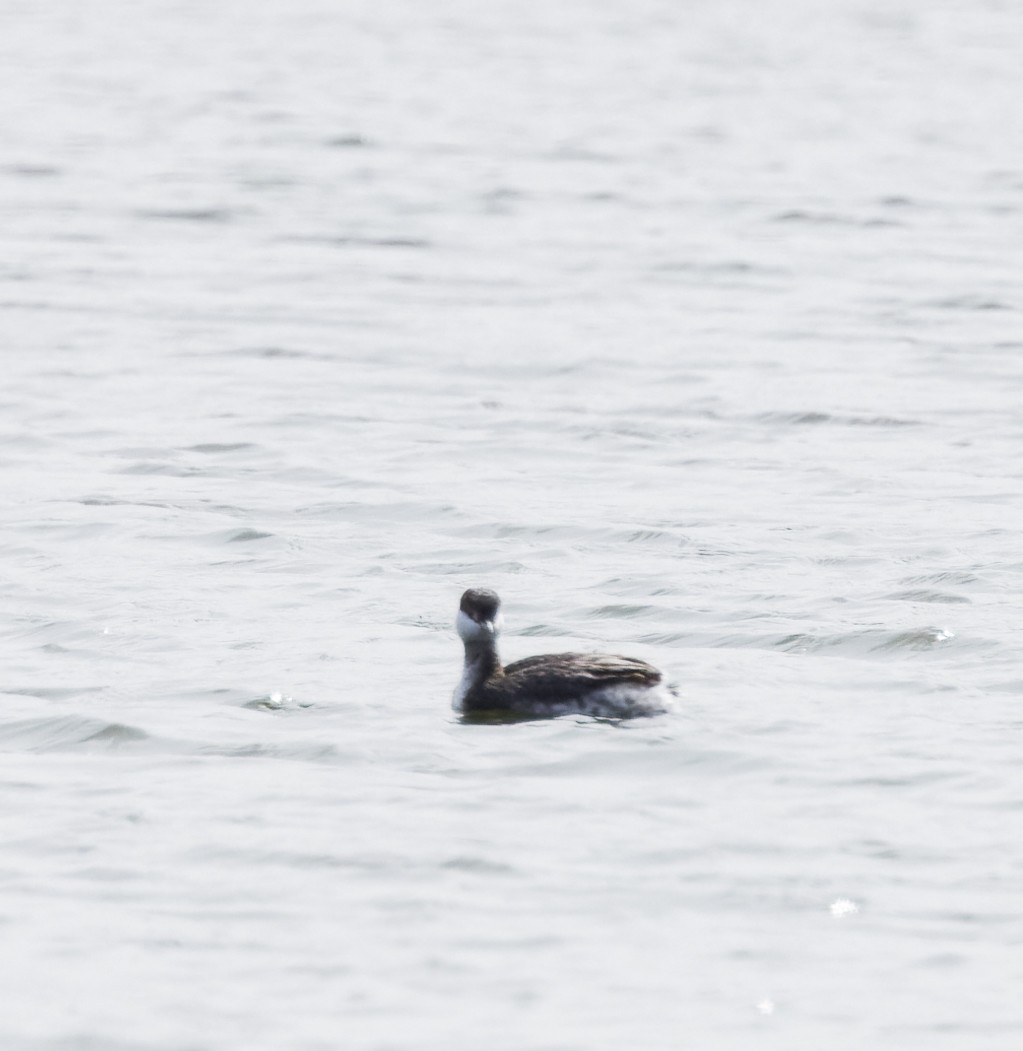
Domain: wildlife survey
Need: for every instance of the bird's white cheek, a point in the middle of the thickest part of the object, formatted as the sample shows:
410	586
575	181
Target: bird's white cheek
466	627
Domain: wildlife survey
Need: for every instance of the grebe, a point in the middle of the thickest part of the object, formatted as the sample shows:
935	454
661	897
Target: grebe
551	684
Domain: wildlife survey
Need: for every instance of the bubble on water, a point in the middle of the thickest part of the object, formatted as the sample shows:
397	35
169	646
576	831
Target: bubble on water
842	907
273	702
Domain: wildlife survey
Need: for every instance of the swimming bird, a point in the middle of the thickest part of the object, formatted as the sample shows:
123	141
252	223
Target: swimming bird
551	684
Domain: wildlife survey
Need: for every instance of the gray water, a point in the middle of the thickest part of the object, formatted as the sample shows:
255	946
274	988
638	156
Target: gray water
694	330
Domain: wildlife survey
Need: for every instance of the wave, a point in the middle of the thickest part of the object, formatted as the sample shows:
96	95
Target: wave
80	733
188	215
67	732
953	576
221	447
821	218
811	418
927	595
861	642
857	643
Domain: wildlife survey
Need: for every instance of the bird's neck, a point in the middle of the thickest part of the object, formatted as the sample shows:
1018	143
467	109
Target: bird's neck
481	662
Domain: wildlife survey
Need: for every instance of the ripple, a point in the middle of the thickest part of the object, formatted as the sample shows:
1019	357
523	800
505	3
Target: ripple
68	732
541	631
812	418
875	641
623	611
852	643
968	302
302	752
186	215
665	638
949	576
478	866
1007	686
800	215
156	468
922	595
276	702
31	171
211	448
649	537
55	632
52	693
243	536
347	142
727	266
353	241
109	501
272	353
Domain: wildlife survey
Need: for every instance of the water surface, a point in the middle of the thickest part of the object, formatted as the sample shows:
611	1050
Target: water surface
694	331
